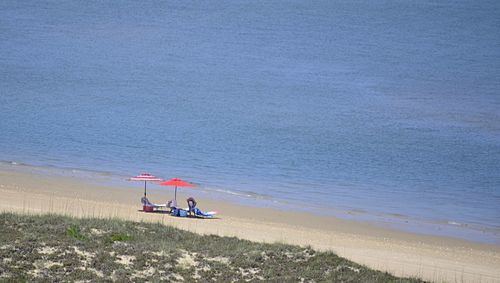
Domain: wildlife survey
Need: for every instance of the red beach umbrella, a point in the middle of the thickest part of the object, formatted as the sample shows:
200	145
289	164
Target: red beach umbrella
146	177
177	183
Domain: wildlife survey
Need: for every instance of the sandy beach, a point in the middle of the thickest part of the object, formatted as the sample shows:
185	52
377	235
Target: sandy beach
438	259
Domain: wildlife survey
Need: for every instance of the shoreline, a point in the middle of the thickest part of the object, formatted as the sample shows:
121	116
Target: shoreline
385	220
434	258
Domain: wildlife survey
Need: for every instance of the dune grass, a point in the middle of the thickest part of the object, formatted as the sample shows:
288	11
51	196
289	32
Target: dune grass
59	248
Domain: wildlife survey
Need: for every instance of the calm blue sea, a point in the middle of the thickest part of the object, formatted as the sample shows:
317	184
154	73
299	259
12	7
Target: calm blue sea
386	111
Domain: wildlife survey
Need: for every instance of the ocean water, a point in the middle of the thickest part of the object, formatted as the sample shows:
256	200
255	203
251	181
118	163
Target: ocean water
385	111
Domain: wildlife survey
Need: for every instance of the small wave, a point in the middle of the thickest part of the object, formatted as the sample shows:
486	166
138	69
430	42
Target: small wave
231	192
246	194
397	215
53	169
356	211
454	223
11	162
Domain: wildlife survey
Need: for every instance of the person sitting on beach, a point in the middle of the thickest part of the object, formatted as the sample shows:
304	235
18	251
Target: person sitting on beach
196	212
145	201
192	205
171	204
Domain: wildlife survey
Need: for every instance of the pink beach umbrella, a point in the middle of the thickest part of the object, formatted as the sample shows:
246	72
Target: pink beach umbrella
145	177
177	183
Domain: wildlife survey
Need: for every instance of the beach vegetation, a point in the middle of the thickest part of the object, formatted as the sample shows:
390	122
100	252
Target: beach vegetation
61	248
74	232
120	237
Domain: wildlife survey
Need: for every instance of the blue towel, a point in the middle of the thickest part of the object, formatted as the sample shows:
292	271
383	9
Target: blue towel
198	212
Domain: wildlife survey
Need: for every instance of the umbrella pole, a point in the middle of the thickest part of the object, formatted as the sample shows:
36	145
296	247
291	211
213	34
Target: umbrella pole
144	188
175	196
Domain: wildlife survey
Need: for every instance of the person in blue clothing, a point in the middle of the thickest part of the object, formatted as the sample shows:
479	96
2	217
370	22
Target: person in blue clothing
191	206
195	211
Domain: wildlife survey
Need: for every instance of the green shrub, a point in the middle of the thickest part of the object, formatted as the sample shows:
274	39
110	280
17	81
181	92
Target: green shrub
120	237
74	232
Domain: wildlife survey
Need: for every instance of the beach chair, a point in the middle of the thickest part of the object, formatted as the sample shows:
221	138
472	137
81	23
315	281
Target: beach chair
148	206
